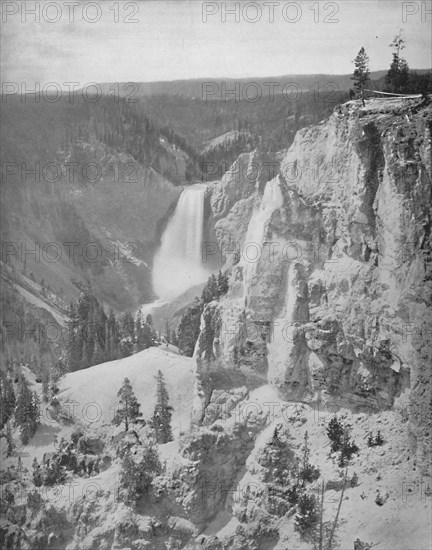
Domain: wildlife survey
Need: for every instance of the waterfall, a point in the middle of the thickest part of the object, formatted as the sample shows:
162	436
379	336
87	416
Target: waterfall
178	263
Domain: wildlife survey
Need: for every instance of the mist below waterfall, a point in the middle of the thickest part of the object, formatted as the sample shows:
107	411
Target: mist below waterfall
178	263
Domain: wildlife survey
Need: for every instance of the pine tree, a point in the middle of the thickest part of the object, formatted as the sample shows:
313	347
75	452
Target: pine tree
84	303
307	472
37	473
222	283
210	291
60	368
129	408
74	342
99	354
35	408
9	440
127	340
277	455
136	476
174	339
347	449
7	397
398	77
112	337
150	333
139	333
189	328
307	516
27	411
361	71
45	387
375	441
335	432
379	440
149	321
161	420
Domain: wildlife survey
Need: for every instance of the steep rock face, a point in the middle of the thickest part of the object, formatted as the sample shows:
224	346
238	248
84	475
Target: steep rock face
334	270
231	200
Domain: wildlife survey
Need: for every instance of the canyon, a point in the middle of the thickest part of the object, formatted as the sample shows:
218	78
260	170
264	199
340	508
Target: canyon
328	311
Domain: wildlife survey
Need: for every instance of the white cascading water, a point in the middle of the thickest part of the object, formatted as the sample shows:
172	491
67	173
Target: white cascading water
178	263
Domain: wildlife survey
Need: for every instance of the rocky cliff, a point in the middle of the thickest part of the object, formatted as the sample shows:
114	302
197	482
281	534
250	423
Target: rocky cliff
328	248
330	288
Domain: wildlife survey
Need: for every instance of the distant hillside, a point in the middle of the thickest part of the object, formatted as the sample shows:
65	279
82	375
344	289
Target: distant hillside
103	178
272	122
218	88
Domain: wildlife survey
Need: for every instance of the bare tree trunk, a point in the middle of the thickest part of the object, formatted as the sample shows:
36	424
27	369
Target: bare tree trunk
333	529
320	540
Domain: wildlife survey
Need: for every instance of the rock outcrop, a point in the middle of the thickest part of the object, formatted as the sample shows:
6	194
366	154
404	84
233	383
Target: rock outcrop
330	291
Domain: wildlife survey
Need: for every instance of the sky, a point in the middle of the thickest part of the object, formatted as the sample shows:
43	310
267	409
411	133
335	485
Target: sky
107	41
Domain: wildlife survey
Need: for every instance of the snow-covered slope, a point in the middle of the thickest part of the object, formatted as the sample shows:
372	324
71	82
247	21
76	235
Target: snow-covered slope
92	393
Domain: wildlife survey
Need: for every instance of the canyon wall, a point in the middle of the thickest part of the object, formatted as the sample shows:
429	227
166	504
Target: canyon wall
330	288
85	201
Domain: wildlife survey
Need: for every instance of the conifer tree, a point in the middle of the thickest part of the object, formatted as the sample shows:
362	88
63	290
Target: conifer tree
361	71
335	431
277	452
139	333
307	473
397	78
222	283
129	408
35	408
174	339
379	440
161	420
27	412
210	291
74	343
45	387
150	333
136	475
9	440
127	334
99	354
7	397
348	448
112	337
37	473
307	516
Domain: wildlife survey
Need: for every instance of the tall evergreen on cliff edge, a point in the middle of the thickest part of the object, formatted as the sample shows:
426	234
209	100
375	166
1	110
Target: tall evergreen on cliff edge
398	78
361	71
